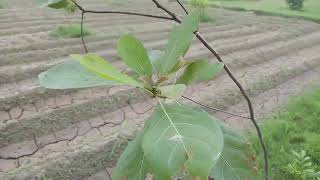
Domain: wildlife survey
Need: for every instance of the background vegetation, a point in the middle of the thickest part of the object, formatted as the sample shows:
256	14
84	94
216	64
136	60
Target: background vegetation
296	128
2	4
70	31
310	8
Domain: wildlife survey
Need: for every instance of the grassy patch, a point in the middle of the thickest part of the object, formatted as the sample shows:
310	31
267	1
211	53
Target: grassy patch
297	128
69	31
2	4
278	7
205	17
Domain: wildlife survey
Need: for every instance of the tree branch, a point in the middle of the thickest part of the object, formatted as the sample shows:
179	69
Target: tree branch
182	6
216	109
234	79
120	12
175	18
82	37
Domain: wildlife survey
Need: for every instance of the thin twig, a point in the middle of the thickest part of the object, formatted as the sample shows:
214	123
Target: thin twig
182	6
82	37
174	16
250	106
216	109
121	12
128	13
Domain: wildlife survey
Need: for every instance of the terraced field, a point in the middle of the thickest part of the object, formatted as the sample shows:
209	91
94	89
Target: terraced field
273	57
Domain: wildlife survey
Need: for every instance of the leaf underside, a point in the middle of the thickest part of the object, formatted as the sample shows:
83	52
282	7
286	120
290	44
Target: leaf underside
173	91
131	164
105	69
177	136
179	42
235	162
200	70
155	57
134	55
71	75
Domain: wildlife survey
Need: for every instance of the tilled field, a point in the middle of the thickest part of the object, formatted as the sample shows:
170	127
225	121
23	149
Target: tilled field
273	57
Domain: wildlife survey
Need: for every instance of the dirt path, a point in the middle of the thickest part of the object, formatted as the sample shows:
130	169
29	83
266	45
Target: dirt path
273	57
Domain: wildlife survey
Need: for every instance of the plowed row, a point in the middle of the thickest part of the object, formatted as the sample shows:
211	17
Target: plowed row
274	58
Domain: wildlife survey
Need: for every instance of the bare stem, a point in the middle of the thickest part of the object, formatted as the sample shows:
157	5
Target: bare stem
182	6
216	109
82	37
120	12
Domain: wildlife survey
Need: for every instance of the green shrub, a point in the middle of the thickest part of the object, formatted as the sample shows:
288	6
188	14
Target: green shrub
313	147
205	17
2	4
301	167
199	3
297	128
69	31
295	4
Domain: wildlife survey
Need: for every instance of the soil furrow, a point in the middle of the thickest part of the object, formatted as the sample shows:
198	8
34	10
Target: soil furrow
234	62
93	140
9	54
19	72
292	65
12	90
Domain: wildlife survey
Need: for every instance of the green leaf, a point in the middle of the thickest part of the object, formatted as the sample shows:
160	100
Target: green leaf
179	136
134	55
105	69
200	70
55	4
173	91
179	41
131	164
235	162
155	57
71	75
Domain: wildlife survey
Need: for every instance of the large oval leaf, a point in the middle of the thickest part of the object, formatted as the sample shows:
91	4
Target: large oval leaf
131	164
133	53
178	136
235	162
71	75
105	69
179	41
200	70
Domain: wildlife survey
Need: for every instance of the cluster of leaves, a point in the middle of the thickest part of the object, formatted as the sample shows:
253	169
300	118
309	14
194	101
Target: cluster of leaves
70	31
301	167
176	138
296	128
295	4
